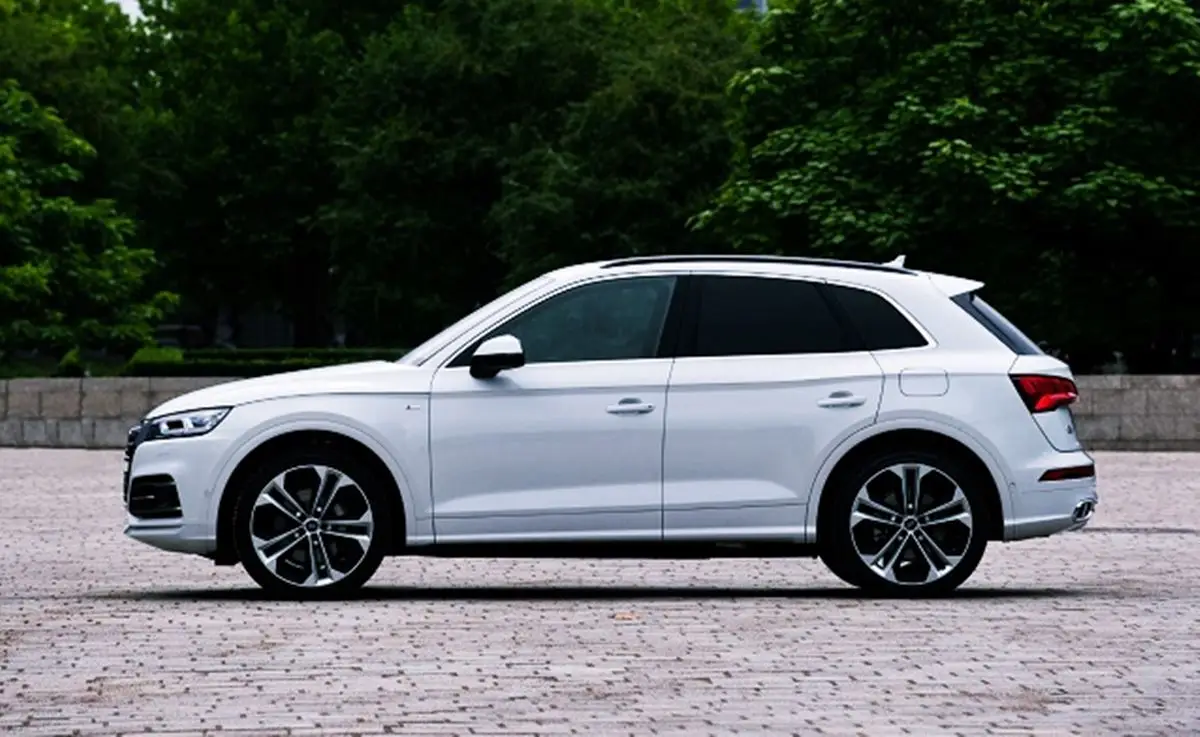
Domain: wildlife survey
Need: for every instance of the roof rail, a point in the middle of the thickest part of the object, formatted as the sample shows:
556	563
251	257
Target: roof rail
893	267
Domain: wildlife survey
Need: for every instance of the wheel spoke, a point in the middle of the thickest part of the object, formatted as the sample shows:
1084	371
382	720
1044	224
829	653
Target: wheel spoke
358	531
329	572
330	481
910	486
935	569
319	559
314	564
963	517
276	496
884	562
271	550
951	511
867	510
934	553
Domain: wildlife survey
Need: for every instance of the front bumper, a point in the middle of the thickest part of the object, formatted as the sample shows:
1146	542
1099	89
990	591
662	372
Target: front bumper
167	494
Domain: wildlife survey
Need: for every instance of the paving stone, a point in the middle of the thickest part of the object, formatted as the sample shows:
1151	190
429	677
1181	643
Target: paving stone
1091	633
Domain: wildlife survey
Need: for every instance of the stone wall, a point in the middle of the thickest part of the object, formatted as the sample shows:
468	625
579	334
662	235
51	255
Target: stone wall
1113	413
1118	412
82	413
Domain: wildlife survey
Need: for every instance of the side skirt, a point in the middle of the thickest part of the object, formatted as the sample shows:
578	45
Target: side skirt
672	550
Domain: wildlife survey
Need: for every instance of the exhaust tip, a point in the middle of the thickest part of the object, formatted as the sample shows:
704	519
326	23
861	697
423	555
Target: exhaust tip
1083	511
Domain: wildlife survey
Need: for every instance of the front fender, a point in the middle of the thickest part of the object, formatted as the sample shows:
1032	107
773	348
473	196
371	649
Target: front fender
924	421
418	522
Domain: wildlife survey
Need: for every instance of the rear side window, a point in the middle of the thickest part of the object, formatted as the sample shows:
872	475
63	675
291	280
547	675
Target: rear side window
880	325
758	316
998	325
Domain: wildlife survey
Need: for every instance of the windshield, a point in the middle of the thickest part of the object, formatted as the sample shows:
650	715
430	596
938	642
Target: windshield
421	353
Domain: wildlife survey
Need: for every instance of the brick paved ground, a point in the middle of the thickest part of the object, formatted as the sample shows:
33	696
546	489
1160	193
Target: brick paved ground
1092	633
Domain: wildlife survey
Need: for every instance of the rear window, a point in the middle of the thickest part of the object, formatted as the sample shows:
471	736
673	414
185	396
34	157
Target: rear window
997	324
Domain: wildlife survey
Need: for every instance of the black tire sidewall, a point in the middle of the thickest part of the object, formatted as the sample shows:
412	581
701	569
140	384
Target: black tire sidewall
837	549
377	493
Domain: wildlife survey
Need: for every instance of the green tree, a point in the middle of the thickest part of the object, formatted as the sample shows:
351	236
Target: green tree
621	171
478	142
79	58
1041	146
67	276
242	89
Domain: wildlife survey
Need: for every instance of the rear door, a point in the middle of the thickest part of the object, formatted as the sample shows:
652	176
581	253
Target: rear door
766	381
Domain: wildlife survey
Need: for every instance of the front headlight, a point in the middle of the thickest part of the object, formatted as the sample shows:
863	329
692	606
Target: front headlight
185	424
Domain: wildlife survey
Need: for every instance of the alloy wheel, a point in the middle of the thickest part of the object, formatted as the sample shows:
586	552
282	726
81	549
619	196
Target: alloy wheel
911	524
311	526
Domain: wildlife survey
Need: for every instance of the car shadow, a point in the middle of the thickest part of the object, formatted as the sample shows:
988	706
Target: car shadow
581	593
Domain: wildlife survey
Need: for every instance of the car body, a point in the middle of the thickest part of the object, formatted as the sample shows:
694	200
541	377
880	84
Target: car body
885	419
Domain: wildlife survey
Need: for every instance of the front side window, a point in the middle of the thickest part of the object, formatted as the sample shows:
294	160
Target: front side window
758	316
613	320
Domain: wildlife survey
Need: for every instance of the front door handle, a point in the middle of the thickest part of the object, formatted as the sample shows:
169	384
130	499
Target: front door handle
842	399
630	406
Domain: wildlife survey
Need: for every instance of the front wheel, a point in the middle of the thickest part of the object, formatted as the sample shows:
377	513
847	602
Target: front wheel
312	523
905	524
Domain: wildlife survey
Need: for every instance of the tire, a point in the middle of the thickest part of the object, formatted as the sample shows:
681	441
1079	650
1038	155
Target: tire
314	553
918	554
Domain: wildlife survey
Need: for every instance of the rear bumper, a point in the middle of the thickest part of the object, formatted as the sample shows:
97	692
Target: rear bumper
1050	508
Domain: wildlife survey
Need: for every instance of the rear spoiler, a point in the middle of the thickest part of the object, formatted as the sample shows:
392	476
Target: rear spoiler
951	286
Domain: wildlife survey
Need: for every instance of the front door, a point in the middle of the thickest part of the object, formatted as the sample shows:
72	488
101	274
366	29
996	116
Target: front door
569	446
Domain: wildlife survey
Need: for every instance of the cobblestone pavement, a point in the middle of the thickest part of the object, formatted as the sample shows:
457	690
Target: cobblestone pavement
1090	633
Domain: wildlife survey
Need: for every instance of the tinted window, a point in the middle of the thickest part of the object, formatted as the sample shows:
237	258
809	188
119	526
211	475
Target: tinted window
603	321
880	325
748	316
998	325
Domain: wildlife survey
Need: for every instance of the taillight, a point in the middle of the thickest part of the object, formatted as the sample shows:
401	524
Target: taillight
1045	393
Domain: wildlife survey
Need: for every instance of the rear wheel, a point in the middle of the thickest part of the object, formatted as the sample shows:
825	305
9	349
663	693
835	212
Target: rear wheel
312	523
906	524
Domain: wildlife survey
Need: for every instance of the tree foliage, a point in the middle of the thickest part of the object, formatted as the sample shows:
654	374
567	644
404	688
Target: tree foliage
1040	145
477	142
77	57
67	275
390	166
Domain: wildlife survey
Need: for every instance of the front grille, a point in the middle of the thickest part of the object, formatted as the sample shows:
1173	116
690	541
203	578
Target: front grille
154	497
132	440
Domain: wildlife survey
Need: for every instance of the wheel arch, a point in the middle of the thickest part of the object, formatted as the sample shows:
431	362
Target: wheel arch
226	550
924	436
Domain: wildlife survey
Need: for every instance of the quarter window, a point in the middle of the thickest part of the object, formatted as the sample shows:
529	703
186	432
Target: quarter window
880	325
612	320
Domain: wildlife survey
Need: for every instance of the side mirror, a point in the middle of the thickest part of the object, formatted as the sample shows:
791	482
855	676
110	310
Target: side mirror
497	354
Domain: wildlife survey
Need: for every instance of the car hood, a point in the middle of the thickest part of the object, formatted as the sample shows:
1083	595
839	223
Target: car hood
368	377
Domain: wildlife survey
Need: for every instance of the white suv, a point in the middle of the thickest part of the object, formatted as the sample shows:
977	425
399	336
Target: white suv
886	420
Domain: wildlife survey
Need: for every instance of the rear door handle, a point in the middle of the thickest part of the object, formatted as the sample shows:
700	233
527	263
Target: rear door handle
842	399
630	406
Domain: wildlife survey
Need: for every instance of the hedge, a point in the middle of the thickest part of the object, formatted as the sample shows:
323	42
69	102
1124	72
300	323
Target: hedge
224	368
245	363
339	355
